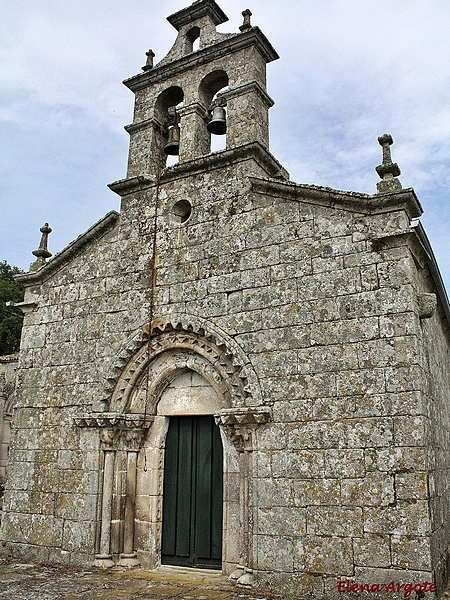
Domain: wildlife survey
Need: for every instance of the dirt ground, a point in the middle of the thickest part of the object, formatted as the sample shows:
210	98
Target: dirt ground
28	581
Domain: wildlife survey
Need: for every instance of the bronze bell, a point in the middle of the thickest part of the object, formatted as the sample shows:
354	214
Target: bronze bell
173	143
218	123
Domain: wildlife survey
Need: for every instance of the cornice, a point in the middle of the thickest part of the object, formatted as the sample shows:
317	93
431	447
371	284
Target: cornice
251	37
217	160
352	201
197	11
73	249
247	88
131	185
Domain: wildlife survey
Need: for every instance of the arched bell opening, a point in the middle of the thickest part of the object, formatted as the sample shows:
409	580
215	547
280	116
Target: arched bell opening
192	40
167	112
216	127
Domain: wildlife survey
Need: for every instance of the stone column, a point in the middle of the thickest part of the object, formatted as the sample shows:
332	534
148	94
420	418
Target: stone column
132	442
120	434
240	425
195	138
5	436
104	559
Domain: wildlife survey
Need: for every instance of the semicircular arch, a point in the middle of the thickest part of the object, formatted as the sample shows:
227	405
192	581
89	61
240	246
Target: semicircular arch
192	334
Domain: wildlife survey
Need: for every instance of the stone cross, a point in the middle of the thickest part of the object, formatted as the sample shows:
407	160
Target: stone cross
246	24
388	170
149	64
42	252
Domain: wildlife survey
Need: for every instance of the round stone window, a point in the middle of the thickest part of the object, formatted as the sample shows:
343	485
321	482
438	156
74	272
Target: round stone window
181	211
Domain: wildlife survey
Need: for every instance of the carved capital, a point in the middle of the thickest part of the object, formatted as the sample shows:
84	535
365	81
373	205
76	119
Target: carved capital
131	439
115	420
107	438
240	424
118	430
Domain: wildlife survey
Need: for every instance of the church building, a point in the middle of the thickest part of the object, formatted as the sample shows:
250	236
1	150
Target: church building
235	372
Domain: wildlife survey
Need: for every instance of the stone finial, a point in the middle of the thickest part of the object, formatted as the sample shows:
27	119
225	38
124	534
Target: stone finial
388	171
246	24
42	252
149	64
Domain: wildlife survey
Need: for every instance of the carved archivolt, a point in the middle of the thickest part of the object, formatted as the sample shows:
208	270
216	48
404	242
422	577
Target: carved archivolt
160	351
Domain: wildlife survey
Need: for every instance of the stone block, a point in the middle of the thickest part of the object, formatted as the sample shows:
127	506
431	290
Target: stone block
361	382
372	551
300	464
290	411
404	379
376	489
78	536
272	492
339	332
344	463
324	554
411	552
280	521
273	553
272	437
318	435
75	506
366	433
409	431
334	521
400	520
321	492
395	459
411	486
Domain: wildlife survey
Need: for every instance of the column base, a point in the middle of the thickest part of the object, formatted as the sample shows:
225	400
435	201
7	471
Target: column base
128	560
104	561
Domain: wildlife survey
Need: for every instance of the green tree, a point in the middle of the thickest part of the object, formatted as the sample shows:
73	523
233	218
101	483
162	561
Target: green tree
10	318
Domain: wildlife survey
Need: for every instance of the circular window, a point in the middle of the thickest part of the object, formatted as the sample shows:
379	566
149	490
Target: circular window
181	211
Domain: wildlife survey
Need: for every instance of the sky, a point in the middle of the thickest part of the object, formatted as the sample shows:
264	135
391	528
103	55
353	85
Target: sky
349	71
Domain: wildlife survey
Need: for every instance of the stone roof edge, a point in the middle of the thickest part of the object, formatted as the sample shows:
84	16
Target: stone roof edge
63	257
222	158
195	11
353	201
122	187
253	36
435	273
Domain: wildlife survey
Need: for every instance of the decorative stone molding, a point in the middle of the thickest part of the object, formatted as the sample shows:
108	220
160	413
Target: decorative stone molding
240	424
117	431
114	420
229	367
132	184
403	199
248	88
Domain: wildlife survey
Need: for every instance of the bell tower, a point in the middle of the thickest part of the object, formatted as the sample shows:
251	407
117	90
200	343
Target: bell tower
190	95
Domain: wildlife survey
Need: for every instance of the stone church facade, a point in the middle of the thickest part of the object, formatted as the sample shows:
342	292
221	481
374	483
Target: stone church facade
236	371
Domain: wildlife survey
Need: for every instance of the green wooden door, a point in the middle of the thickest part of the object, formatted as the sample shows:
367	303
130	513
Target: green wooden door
192	494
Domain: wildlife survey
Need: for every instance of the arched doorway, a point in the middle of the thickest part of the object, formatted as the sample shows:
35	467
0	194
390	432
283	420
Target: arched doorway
192	500
178	374
192	493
